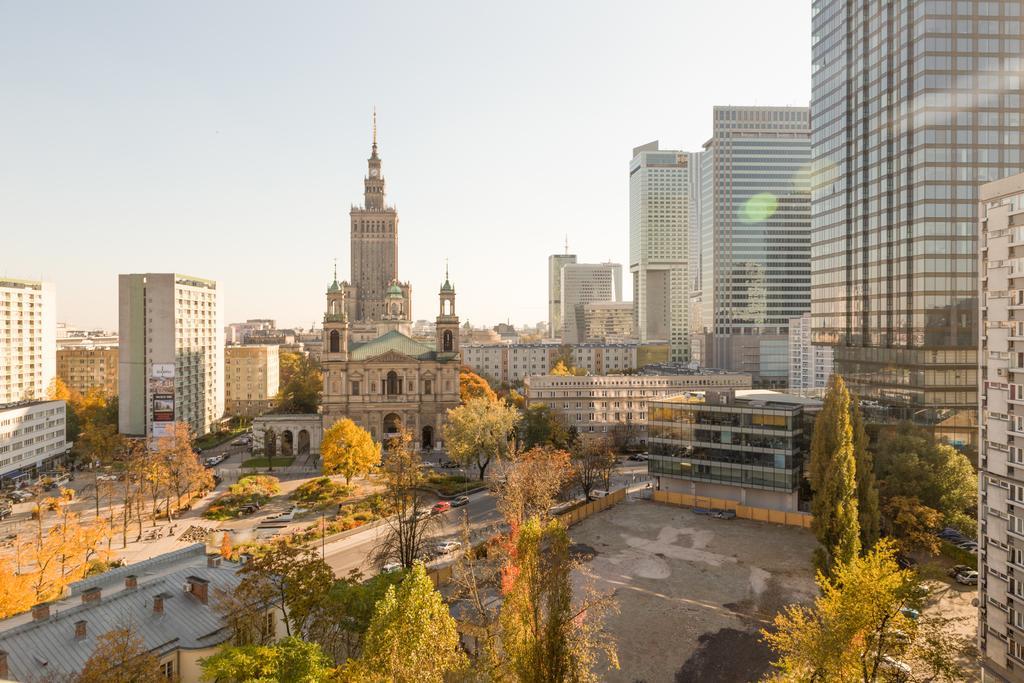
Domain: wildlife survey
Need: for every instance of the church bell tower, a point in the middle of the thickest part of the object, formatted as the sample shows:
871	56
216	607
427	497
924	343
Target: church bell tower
447	321
335	343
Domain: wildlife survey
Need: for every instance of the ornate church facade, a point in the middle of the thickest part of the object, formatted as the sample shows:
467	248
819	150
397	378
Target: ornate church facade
374	372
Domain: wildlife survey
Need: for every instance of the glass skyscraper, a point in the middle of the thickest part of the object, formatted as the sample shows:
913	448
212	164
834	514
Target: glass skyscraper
755	222
914	103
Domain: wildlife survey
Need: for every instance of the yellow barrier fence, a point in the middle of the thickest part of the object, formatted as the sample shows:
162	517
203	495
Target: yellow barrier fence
801	519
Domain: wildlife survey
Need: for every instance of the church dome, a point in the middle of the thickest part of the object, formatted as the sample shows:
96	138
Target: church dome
394	291
447	287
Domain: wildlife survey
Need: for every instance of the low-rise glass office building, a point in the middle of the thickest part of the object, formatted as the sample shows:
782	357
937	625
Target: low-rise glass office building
746	446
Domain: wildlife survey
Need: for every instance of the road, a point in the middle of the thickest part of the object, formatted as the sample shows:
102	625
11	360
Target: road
355	551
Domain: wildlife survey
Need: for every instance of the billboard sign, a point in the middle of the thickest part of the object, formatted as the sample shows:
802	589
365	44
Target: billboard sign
161	396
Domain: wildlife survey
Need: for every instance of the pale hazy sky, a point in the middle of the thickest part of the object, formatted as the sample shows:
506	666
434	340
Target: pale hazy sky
228	139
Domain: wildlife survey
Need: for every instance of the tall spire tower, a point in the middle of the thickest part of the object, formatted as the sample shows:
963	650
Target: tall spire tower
374	250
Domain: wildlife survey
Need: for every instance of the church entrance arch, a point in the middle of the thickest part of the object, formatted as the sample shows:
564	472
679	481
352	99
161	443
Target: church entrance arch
428	438
304	442
392	425
287	444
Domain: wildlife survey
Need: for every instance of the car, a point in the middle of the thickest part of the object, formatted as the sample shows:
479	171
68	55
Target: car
459	501
447	546
106	477
449	464
390	567
441	506
967	578
904	562
5	511
598	493
420	514
910	612
250	508
956	569
21	496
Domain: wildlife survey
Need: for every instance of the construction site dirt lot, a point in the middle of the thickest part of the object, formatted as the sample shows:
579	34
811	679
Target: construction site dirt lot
693	591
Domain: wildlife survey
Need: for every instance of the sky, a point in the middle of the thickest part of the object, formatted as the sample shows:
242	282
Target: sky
229	139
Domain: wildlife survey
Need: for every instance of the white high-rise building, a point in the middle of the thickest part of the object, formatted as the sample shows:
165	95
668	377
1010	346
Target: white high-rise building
28	339
555	263
810	365
664	195
1000	443
584	283
171	366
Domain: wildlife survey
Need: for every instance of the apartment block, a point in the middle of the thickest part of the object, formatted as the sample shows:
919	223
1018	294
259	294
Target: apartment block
810	365
87	368
511	363
598	403
251	379
32	438
171	362
1001	433
28	339
608	321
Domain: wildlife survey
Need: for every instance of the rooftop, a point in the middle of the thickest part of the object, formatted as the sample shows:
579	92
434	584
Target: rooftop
750	398
49	647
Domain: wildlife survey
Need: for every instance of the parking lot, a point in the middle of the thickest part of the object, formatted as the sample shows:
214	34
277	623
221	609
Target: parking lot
693	591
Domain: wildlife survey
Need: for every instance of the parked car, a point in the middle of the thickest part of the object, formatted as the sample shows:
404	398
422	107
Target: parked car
441	506
638	457
967	578
449	464
20	496
956	569
5	511
390	567
459	501
598	493
447	546
106	477
905	562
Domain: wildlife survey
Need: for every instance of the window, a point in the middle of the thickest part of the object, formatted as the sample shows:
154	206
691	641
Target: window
167	669
355	389
427	387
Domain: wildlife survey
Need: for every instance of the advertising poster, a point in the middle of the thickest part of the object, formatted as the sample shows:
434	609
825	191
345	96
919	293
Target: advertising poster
161	393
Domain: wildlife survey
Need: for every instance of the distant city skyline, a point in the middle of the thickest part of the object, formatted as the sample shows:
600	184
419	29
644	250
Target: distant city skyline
142	139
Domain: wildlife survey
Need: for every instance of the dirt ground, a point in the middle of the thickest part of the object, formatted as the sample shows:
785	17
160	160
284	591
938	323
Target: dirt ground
693	591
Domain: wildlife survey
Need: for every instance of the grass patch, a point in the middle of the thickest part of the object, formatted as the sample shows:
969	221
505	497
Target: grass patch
263	461
320	493
255	488
217	438
450	484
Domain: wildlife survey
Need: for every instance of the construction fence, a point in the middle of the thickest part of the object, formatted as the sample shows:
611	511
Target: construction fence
801	519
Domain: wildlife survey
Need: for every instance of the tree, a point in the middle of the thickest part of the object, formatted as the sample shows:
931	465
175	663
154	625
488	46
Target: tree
835	500
910	463
592	463
292	579
912	524
472	385
120	656
16	593
183	473
478	432
623	436
531	483
406	530
869	516
411	638
857	624
560	369
542	426
339	624
348	449
300	384
544	636
290	659
225	545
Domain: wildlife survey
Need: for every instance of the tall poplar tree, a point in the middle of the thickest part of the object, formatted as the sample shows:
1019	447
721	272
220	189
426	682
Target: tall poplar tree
834	466
867	488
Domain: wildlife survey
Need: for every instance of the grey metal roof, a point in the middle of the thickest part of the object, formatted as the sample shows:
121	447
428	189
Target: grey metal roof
46	647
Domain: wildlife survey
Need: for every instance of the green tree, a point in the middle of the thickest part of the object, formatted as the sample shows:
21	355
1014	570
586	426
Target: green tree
120	656
300	384
411	638
472	385
348	449
290	659
857	625
869	515
835	498
478	432
541	426
912	524
545	637
910	463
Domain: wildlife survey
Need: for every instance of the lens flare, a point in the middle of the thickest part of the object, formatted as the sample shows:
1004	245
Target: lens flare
758	208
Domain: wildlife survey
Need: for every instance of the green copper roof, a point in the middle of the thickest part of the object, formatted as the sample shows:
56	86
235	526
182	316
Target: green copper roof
334	287
447	287
392	341
394	290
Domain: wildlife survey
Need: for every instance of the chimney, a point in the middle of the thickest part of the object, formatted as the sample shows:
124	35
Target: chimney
131	582
243	558
158	604
91	595
80	630
199	588
41	612
213	560
3	664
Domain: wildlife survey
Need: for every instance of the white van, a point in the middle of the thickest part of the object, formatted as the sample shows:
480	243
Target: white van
598	493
